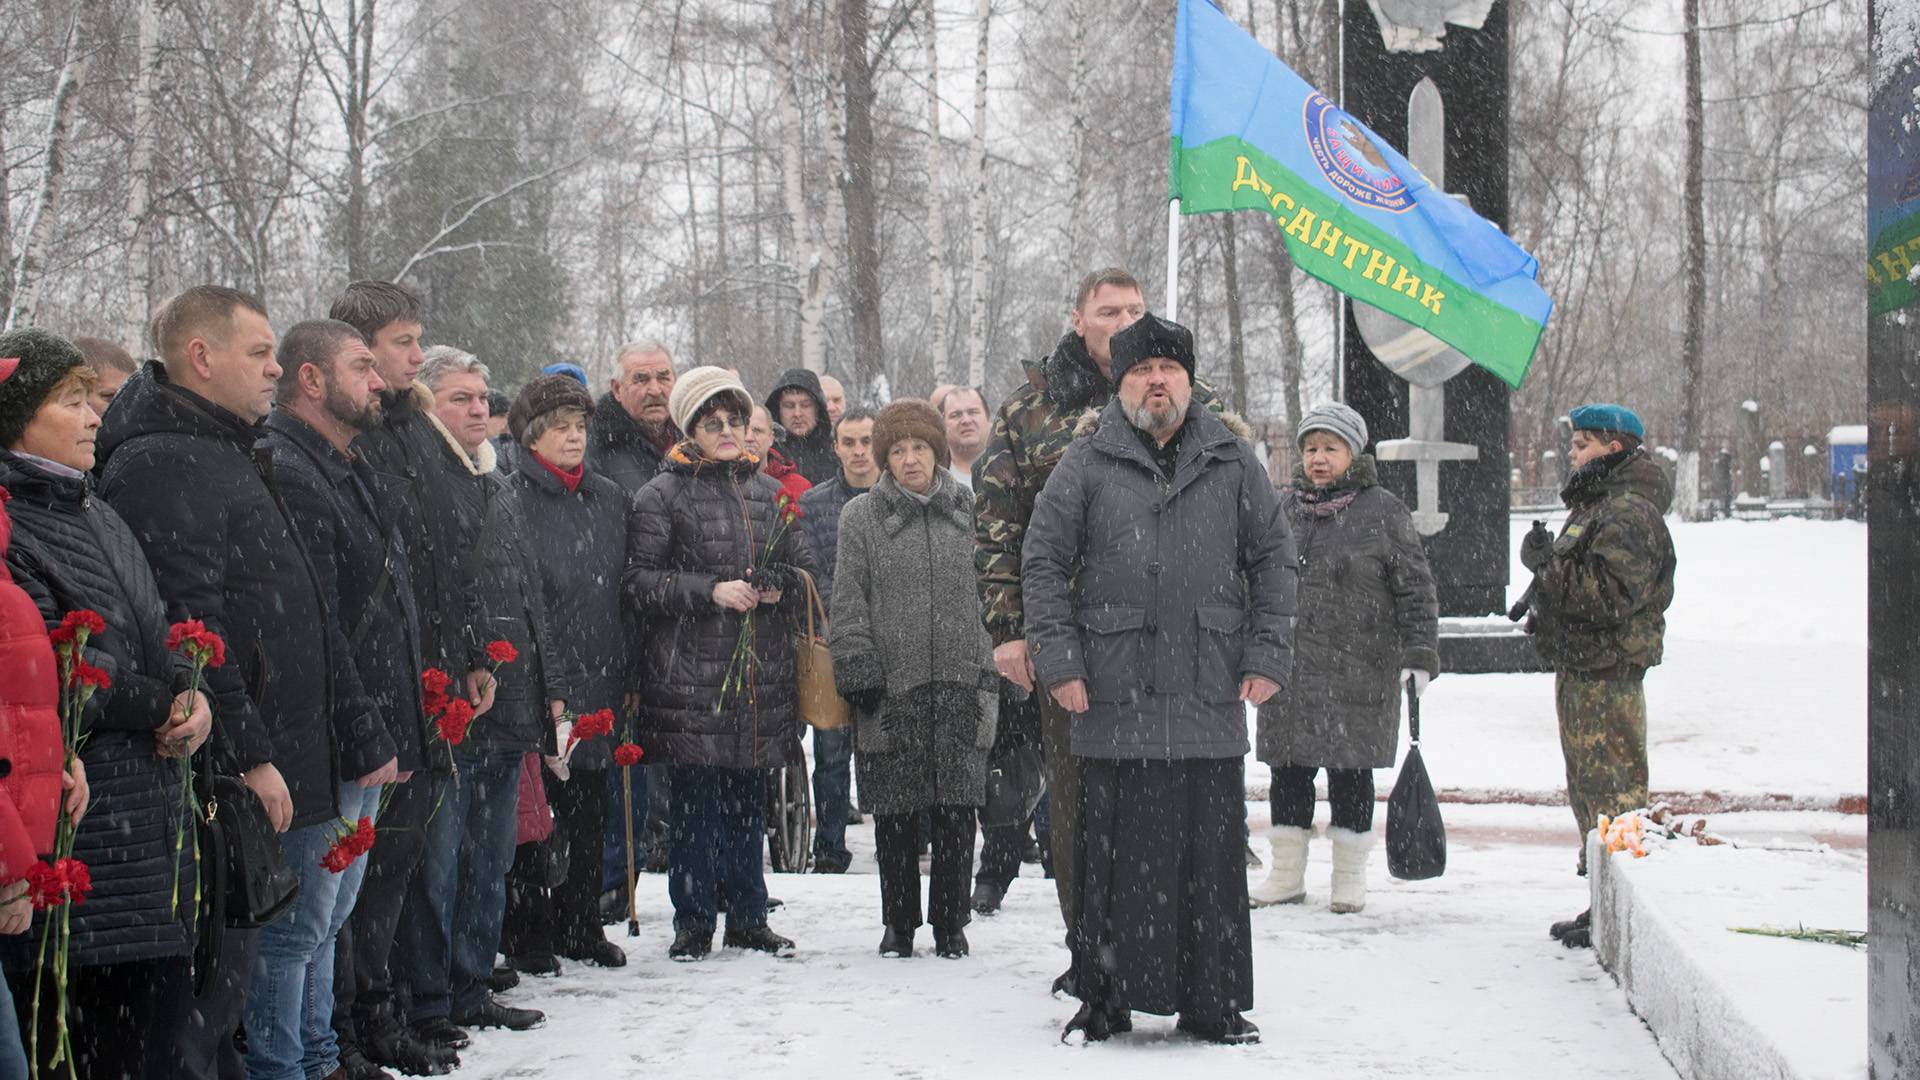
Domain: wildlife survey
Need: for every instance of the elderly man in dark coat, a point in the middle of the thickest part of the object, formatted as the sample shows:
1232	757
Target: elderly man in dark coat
1159	585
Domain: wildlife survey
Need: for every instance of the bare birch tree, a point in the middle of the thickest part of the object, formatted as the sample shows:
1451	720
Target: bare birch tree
31	270
977	320
937	299
140	181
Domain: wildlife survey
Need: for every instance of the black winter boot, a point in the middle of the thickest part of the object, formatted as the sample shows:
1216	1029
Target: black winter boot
1094	1024
987	897
759	939
1232	1030
897	942
950	944
690	945
1581	921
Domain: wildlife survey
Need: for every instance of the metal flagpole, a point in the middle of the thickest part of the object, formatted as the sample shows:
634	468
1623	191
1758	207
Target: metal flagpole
1173	261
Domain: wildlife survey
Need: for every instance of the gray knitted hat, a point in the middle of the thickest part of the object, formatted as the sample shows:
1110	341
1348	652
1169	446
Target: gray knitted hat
1339	419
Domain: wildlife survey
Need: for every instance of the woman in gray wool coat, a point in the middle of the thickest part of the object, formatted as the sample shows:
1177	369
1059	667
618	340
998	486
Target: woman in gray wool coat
1367	623
912	657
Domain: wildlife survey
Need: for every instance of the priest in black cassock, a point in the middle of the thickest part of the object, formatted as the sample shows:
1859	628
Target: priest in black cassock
1159	575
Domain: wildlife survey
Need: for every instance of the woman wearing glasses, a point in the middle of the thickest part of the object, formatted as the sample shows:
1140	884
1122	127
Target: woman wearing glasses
717	669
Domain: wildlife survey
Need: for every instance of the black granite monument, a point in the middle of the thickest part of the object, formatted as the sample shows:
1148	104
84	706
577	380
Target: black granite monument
1440	90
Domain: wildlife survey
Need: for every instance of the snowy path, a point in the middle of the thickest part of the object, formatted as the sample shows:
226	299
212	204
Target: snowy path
1449	978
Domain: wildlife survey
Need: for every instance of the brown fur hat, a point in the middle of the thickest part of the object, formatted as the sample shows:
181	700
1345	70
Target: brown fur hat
910	418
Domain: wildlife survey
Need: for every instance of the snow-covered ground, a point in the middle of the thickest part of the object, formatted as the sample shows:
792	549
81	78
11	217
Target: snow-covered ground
1764	688
1763	691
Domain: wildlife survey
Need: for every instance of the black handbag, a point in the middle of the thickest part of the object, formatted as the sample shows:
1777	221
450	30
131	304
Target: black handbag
1416	837
1016	778
259	886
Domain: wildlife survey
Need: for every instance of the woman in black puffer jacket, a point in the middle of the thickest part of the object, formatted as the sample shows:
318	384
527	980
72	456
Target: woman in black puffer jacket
575	526
698	530
131	941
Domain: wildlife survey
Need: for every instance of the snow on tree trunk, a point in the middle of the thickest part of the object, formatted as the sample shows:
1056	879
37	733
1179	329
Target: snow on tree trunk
53	177
813	256
1077	64
140	181
936	208
977	320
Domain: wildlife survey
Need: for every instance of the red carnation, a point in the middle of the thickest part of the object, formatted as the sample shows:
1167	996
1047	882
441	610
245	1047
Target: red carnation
45	888
502	652
627	754
84	619
594	724
207	648
78	878
85	674
590	726
183	631
434	684
453	722
363	836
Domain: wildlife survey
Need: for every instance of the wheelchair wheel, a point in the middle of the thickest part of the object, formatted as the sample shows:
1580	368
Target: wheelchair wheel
790	820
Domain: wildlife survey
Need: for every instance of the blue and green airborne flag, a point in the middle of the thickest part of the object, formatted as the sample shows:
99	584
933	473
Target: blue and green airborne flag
1249	134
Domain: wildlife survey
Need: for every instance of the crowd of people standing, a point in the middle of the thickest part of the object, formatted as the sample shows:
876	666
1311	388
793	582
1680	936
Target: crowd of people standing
452	620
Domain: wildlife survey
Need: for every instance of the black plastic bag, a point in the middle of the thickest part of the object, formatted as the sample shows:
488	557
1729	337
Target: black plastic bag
1416	837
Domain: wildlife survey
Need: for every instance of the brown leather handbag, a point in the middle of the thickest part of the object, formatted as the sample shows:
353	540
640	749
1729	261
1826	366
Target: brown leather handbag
820	703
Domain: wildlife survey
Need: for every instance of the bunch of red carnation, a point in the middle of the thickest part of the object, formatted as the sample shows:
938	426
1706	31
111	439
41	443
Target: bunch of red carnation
198	643
62	881
627	754
73	623
348	845
591	726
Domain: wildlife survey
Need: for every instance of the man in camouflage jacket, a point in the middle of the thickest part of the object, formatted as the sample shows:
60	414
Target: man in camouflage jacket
1031	432
1601	590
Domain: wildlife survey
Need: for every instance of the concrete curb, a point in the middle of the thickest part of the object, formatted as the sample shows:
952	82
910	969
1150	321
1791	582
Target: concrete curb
1722	1007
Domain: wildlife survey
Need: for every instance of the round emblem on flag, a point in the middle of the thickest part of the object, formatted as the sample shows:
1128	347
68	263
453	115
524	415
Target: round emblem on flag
1347	156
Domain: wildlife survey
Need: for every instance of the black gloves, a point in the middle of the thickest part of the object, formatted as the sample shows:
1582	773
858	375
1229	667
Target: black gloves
775	576
868	700
1537	547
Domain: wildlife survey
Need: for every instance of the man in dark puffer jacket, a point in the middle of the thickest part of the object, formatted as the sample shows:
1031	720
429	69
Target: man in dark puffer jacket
440	497
182	430
71	552
800	408
450	926
326	397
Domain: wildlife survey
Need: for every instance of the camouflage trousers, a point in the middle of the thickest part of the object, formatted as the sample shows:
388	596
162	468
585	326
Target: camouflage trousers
1603	735
1063	805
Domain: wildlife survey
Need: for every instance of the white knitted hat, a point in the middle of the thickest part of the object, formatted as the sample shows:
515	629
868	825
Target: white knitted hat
702	384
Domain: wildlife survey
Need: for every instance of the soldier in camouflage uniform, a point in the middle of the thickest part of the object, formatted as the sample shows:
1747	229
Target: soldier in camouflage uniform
1030	434
1600	593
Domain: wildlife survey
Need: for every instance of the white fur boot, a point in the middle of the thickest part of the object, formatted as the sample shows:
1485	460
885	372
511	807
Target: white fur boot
1287	872
1350	851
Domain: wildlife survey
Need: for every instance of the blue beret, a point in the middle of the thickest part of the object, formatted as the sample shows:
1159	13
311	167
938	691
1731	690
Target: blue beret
571	371
1607	418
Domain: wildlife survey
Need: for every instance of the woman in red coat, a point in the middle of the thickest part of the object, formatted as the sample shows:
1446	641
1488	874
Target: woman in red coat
29	762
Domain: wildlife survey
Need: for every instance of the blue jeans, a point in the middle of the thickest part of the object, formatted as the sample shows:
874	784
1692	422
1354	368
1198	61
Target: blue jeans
450	927
719	822
13	1052
613	854
289	1008
832	789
